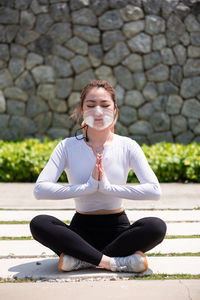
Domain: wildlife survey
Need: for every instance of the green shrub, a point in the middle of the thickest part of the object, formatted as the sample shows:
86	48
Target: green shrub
22	161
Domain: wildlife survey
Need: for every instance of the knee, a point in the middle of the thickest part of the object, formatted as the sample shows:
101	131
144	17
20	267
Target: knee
37	223
158	228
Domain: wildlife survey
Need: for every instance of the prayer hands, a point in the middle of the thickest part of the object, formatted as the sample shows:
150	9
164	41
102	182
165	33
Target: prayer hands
98	172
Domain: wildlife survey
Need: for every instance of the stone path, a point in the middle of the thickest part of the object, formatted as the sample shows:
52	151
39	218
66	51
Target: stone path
28	258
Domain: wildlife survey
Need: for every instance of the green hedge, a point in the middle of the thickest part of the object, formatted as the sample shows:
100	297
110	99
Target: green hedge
22	161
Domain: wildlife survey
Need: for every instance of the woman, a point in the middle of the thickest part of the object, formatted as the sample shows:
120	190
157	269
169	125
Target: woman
97	164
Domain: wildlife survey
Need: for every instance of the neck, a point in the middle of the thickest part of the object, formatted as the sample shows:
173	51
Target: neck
99	137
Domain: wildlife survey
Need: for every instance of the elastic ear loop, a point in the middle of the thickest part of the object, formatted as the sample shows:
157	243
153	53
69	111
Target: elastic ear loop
83	125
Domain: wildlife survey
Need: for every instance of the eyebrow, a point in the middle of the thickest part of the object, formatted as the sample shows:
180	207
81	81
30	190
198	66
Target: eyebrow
90	100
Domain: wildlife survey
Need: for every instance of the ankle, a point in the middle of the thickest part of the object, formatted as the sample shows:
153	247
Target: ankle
105	262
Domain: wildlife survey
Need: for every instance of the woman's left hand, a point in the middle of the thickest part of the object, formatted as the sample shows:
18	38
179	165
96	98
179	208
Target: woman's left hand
100	167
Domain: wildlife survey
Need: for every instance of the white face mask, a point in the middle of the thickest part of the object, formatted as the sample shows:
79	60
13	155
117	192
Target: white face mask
98	117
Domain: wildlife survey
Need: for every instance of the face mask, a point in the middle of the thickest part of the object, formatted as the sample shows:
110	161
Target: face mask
98	117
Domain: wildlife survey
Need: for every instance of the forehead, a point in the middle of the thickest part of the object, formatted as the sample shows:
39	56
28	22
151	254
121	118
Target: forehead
98	94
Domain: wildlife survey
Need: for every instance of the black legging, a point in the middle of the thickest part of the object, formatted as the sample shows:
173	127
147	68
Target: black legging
88	237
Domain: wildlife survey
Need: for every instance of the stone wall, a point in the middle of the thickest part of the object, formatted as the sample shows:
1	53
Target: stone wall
149	50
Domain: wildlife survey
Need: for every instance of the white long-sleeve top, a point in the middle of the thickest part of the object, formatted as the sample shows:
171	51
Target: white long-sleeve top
77	159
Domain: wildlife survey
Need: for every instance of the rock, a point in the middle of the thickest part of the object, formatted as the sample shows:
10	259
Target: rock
16	66
176	75
141	43
62	52
116	54
191	23
105	73
77	4
193	52
74	99
110	20
159	42
57	133
167	88
197	129
158	73
124	77
195	38
58	105
160	103
191	109
4	52
81	80
80	63
5	79
89	34
18	51
36	106
27	19
131	13
84	16
60	32
60	12
43	45
2	34
4	122
161	137
16	108
179	124
134	63
185	38
150	92
192	123
61	67
134	98
118	3
168	7
185	137
2	102
25	82
43	74
145	111
182	10
119	94
192	67
160	121
99	6
22	4
37	8
132	28
154	24
8	16
152	7
10	32
190	87
140	139
43	122
62	121
120	129
174	104
139	80
22	126
77	45
33	60
152	59
25	36
172	38
110	38
63	87
140	127
180	53
168	57
16	94
95	55
127	115
175	24
43	23
46	91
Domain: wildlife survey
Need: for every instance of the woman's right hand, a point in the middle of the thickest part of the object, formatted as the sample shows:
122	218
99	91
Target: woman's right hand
95	173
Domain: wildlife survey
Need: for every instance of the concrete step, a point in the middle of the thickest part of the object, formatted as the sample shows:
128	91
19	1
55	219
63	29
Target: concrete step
30	248
166	215
38	268
19	230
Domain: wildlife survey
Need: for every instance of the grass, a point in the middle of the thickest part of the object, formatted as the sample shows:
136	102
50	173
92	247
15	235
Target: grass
173	254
